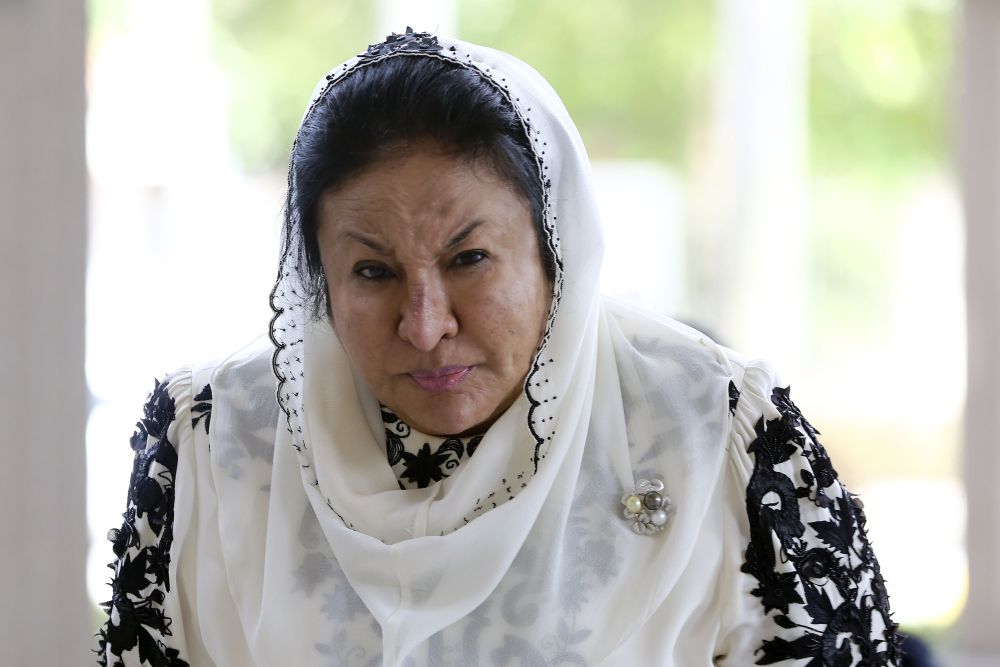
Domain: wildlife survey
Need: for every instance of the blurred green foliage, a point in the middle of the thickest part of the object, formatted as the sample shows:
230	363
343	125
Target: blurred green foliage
879	85
273	54
850	239
879	128
636	75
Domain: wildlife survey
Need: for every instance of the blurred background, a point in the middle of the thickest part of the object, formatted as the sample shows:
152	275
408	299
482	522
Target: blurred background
785	175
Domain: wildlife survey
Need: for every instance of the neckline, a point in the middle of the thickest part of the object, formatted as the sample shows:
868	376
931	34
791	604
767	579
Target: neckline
419	460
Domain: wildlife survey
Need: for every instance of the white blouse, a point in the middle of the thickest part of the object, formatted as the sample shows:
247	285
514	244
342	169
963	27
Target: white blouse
223	559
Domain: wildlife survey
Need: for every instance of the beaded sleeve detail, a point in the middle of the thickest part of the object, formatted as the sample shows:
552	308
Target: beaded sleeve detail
817	577
138	628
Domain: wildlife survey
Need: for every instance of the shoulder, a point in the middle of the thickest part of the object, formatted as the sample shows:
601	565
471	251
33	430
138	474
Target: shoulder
249	370
144	623
806	549
184	399
770	435
166	412
651	349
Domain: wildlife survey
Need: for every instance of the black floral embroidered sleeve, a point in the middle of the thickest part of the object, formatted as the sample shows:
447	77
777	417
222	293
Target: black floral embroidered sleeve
817	579
138	628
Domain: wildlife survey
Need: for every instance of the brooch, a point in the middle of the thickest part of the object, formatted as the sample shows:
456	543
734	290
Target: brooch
647	507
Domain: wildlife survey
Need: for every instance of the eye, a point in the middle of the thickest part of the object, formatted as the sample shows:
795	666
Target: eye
470	257
372	272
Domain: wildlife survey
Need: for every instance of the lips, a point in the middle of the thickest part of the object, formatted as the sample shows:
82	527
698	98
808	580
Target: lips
440	379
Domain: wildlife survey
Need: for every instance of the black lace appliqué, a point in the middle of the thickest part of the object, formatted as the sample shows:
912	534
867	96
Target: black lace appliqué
423	466
395	431
136	618
734	397
823	582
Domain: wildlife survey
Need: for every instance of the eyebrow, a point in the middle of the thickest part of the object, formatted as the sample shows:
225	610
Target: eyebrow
455	240
364	240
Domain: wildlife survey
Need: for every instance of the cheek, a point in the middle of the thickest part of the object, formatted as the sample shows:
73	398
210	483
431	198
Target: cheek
534	295
359	327
514	319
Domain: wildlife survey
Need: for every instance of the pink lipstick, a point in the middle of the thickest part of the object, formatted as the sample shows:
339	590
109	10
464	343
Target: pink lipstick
440	379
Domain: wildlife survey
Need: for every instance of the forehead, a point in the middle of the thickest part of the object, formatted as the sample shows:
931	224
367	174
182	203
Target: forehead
421	192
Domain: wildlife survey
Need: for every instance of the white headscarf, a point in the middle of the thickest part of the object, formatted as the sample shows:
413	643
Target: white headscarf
308	356
523	552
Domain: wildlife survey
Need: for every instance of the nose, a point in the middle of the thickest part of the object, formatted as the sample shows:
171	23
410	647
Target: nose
427	316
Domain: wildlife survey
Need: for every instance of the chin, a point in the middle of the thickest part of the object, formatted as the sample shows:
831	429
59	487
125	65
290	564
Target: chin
445	426
455	413
435	418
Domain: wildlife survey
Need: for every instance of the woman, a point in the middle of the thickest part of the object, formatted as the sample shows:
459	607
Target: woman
473	458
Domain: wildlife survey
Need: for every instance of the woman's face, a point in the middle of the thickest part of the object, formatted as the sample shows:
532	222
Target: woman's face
436	287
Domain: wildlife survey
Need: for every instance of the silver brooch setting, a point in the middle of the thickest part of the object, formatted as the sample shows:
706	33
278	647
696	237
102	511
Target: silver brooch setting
647	507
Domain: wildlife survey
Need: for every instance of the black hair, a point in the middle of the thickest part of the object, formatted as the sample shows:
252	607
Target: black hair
398	102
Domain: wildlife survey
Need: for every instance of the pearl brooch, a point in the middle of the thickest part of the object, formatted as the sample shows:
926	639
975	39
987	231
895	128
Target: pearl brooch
647	507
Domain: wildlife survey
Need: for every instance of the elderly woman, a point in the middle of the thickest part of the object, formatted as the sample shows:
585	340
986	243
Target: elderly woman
471	457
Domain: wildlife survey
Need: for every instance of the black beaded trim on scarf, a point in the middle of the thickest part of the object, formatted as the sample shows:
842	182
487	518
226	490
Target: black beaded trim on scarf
142	545
824	582
420	42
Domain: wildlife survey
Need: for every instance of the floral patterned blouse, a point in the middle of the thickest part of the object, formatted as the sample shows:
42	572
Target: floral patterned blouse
779	570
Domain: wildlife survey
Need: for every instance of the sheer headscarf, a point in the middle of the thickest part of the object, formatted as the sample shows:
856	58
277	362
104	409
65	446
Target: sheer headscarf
306	347
529	532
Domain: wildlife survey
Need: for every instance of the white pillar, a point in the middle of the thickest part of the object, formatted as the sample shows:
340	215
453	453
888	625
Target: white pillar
46	618
979	136
760	150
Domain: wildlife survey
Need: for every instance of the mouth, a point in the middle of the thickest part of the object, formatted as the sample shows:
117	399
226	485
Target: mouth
441	379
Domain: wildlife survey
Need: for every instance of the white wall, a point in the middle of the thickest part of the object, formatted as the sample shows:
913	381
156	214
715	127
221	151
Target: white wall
45	618
979	142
